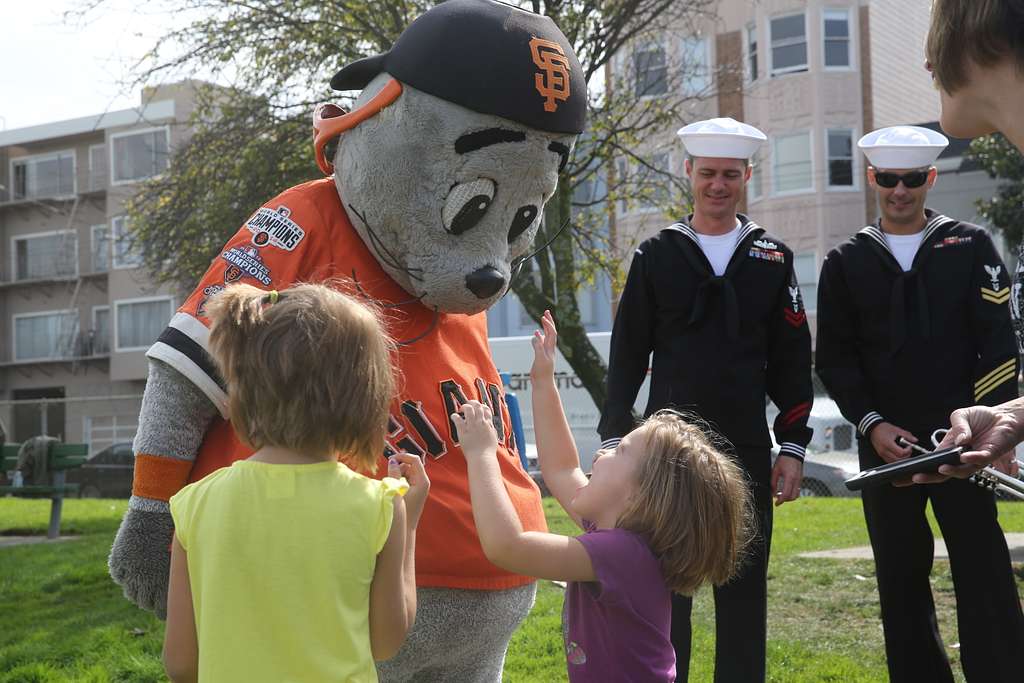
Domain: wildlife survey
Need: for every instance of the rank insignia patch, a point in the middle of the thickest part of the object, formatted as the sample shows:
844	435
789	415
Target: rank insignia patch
1000	296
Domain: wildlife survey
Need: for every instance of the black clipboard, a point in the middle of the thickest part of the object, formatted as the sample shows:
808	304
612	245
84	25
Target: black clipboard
903	469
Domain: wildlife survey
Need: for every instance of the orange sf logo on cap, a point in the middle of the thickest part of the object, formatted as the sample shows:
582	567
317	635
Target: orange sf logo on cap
553	84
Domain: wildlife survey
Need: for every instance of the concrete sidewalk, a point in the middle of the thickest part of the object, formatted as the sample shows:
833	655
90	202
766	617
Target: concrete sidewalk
1015	542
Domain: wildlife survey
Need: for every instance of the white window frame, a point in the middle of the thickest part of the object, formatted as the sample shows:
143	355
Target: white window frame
705	47
775	161
43	157
853	161
93	171
110	330
31	235
638	206
806	66
115	263
810	305
87	429
115	333
757	162
825	12
647	46
130	133
36	314
92	247
750	31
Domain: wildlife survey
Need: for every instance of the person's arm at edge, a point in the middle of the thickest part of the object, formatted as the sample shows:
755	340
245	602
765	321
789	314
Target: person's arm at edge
181	644
389	603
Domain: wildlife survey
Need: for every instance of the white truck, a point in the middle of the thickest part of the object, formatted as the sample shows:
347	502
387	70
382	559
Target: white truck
514	355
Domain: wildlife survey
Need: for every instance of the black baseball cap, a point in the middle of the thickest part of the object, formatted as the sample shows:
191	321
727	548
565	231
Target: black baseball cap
489	57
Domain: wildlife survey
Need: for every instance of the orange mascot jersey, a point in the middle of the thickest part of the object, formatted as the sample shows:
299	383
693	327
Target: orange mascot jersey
303	235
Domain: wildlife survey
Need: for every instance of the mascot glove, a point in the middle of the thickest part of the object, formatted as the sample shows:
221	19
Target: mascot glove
140	560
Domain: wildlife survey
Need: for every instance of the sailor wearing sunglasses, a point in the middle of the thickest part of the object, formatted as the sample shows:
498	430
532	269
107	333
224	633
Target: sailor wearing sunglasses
913	321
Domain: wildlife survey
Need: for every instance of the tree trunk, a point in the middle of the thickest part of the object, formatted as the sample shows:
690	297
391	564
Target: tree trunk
559	282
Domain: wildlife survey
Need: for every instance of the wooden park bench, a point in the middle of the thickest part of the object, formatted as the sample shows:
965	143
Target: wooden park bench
61	457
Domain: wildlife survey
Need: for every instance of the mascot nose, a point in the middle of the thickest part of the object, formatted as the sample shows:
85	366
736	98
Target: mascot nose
485	282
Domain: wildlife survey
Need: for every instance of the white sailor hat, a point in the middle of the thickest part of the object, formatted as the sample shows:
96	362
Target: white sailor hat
903	147
724	138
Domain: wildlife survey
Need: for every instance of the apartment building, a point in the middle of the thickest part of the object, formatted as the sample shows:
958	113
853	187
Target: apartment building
814	75
77	311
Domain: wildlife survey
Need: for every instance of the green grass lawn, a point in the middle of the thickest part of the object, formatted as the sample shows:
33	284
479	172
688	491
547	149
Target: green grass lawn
61	617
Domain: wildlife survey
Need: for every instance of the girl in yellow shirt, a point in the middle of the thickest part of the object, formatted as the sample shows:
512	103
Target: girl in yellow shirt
290	565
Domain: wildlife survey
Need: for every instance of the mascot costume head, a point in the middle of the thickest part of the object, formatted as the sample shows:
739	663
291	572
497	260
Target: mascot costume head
462	126
440	177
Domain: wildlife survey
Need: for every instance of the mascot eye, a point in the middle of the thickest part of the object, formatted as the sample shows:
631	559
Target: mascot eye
466	205
524	218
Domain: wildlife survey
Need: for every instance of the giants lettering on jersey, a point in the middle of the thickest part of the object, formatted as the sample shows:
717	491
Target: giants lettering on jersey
414	433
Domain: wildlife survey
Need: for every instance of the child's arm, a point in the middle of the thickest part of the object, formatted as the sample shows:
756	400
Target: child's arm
389	616
393	590
181	646
556	449
547	556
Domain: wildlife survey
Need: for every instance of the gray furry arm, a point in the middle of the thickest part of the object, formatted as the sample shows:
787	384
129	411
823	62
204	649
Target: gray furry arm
173	420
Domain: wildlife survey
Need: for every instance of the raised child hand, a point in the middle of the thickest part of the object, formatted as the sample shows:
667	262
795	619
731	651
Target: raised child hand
476	430
411	467
544	349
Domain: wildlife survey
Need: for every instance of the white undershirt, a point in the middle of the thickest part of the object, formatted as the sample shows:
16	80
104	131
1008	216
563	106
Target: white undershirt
719	248
904	247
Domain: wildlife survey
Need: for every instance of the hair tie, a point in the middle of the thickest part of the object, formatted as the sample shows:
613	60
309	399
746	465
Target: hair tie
271	298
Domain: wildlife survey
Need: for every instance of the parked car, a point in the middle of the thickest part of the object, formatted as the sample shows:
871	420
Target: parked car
107	474
826	472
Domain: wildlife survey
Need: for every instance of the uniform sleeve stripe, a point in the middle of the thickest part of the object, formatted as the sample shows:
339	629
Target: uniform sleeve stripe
793	450
193	328
998	371
194	372
609	444
868	420
1001	379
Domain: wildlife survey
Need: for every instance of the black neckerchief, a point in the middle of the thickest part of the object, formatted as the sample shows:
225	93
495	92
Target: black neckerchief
934	222
698	260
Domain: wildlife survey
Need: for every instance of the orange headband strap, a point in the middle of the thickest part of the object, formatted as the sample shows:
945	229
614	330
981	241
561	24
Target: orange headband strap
326	128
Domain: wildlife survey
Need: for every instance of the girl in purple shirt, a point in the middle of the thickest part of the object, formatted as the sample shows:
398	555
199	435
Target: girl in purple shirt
664	511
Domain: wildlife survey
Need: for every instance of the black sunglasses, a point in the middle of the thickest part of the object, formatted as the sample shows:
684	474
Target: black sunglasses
910	180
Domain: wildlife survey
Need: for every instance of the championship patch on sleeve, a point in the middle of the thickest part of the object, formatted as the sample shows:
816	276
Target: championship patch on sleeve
275	227
997	294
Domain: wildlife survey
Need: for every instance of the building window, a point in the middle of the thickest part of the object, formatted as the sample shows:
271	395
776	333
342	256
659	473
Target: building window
47	335
97	167
840	158
789	44
138	155
100	248
103	431
651	70
622	171
755	187
792	170
836	33
140	321
125	253
696	76
806	267
652	183
45	175
751	52
99	337
45	255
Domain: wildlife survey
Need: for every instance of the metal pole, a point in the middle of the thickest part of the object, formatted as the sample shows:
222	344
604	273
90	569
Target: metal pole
44	411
